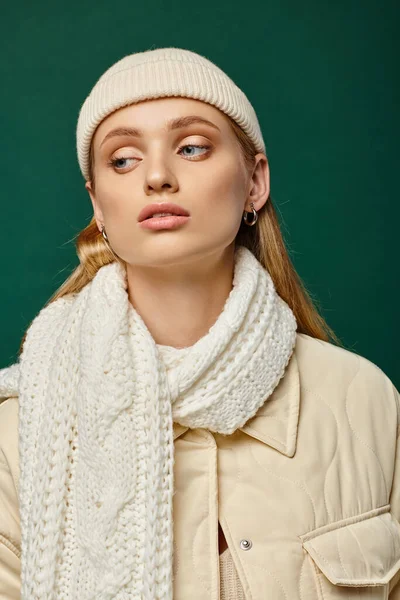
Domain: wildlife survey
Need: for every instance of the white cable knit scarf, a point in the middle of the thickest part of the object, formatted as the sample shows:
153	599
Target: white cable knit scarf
96	413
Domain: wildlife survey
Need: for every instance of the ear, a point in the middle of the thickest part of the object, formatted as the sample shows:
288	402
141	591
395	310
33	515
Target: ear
98	215
259	183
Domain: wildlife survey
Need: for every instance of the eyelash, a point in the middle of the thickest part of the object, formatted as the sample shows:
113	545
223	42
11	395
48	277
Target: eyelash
112	162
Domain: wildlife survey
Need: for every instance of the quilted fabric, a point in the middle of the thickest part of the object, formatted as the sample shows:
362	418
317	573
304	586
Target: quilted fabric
312	482
358	552
320	457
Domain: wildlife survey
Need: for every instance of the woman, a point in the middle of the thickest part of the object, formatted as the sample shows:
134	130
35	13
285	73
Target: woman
188	428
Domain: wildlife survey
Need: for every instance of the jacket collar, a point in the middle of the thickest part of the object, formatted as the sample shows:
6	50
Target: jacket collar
276	422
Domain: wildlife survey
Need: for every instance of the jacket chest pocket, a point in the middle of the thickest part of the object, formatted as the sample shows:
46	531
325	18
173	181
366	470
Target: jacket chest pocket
355	558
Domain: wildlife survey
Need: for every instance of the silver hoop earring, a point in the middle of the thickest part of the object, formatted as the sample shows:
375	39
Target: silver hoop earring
103	231
255	216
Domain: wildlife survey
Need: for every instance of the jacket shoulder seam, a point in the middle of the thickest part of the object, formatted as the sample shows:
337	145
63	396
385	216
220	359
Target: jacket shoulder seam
387	379
397	401
6	542
5	463
3	459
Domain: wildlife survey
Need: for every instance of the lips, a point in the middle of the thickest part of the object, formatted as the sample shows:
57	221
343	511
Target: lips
162	207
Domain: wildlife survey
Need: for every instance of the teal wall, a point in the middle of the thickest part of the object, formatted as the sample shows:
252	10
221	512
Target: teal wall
323	78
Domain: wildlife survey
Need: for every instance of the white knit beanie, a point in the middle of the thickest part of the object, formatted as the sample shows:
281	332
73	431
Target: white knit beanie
160	73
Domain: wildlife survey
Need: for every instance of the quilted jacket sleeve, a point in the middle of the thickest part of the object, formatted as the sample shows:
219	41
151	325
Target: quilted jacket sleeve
10	538
394	590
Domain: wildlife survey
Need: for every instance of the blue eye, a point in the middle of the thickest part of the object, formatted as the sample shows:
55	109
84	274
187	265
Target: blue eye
114	162
194	146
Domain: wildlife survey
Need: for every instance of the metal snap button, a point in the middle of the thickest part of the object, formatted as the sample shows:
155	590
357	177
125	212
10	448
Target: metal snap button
245	544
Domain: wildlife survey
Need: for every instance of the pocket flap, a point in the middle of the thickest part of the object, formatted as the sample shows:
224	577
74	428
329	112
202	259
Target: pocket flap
361	551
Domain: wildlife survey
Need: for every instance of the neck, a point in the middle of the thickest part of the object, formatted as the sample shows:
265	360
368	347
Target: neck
179	301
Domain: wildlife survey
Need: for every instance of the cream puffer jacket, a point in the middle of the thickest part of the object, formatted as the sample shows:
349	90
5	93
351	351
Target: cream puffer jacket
307	492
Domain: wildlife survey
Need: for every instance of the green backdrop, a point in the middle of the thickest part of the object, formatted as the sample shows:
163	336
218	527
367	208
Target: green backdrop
323	78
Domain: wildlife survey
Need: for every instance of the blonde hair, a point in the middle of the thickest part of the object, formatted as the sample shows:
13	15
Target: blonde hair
265	241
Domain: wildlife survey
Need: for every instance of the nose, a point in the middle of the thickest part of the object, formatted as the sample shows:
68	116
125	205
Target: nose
159	176
156	186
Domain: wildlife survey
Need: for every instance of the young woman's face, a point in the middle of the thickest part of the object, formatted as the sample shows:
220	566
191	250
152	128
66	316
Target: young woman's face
196	165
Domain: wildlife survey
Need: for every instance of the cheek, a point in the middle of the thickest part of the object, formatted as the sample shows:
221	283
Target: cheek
222	185
115	200
218	199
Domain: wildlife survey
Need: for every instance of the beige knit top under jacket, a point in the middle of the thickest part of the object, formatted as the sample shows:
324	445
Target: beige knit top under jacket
231	588
230	585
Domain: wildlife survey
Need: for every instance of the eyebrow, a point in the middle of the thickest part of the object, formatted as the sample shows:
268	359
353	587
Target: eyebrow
172	124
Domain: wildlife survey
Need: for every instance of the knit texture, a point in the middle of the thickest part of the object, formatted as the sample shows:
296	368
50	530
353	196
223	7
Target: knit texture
96	412
230	584
158	73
